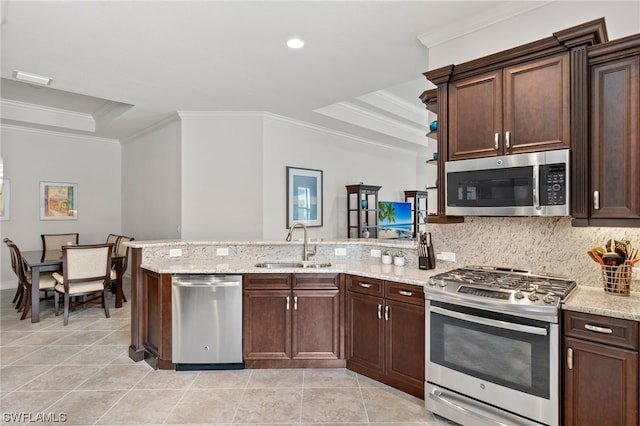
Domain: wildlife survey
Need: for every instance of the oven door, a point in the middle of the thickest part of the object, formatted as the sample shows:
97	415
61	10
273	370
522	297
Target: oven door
505	362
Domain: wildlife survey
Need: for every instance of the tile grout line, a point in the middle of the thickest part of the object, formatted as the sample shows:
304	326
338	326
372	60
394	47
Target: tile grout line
184	394
364	405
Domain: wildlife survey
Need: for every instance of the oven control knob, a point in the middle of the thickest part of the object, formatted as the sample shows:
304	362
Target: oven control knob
533	296
519	294
549	298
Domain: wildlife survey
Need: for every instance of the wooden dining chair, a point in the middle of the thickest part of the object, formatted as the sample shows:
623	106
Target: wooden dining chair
121	250
24	280
86	271
56	241
17	299
113	239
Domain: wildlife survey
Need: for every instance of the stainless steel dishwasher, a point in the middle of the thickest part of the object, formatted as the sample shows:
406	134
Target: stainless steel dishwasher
206	321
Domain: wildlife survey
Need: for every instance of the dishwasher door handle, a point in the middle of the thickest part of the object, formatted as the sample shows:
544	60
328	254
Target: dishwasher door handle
205	285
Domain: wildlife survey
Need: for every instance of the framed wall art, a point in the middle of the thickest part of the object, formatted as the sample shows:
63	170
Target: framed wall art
304	196
58	201
5	200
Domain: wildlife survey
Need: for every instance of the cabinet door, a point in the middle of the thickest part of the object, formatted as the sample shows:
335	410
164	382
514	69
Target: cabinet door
536	106
156	318
475	116
267	324
600	384
365	333
405	346
615	139
316	324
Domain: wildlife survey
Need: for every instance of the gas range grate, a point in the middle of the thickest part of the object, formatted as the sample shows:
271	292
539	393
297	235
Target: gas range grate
509	279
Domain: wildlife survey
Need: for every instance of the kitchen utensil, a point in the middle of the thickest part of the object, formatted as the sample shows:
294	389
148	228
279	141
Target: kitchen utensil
612	258
430	252
593	254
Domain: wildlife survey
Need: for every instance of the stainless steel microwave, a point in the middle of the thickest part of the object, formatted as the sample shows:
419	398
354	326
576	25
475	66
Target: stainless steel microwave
532	184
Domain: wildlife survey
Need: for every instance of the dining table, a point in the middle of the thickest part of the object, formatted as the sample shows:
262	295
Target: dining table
51	261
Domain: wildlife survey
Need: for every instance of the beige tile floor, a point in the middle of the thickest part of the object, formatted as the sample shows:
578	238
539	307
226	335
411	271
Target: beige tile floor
82	374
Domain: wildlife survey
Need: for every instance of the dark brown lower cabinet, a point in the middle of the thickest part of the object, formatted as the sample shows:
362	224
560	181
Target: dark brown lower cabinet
156	319
293	320
386	332
600	370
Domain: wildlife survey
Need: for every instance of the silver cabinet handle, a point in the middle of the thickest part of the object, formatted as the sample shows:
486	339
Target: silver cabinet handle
496	141
287	303
570	359
386	313
379	311
295	303
365	285
507	139
405	293
596	200
603	330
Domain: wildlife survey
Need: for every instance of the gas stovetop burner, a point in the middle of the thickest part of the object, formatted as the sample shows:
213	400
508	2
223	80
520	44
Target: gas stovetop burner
521	284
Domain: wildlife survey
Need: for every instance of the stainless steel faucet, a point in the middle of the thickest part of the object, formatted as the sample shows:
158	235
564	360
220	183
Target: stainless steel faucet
305	248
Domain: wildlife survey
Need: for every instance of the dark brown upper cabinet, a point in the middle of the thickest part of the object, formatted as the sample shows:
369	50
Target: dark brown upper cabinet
613	183
521	108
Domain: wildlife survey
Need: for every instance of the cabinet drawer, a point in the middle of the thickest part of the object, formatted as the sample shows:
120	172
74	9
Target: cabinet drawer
267	282
366	285
404	293
316	281
597	328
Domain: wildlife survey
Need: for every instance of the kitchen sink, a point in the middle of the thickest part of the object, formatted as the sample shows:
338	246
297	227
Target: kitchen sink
284	265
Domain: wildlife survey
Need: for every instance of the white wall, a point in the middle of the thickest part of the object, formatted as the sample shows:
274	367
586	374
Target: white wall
31	156
151	183
622	19
343	160
222	176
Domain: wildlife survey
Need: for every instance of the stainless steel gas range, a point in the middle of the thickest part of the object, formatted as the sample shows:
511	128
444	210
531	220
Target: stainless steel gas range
493	346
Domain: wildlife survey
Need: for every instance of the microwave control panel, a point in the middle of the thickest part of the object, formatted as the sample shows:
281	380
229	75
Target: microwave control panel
553	185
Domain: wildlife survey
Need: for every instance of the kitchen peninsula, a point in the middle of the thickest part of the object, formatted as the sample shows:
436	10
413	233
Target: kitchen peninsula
335	294
355	282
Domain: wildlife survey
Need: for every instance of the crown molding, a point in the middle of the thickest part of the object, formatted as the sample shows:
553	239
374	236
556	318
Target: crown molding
46	132
155	126
337	133
387	101
47	116
491	16
208	115
368	119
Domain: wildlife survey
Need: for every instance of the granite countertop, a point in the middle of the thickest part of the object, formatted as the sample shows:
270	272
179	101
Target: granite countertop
585	298
408	274
594	300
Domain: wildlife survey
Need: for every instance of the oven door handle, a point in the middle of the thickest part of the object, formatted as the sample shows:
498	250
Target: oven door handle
436	395
490	322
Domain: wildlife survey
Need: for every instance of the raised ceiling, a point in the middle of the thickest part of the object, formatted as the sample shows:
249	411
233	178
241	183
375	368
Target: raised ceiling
119	67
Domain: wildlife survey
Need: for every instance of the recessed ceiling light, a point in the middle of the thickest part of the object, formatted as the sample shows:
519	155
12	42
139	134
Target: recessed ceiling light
32	78
295	43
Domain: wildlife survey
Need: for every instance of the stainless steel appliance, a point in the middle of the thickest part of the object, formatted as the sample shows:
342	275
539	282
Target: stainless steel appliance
493	346
532	184
206	321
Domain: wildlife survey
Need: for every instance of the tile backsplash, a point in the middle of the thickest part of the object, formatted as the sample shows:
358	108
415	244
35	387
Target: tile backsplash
548	245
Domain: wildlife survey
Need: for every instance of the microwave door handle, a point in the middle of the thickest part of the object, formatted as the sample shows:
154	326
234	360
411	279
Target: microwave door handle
536	187
490	322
